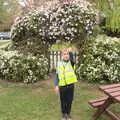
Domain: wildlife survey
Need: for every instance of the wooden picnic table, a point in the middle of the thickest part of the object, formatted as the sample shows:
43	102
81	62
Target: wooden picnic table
113	96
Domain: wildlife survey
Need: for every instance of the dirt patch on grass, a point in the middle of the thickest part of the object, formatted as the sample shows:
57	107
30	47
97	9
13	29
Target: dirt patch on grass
41	91
43	83
4	89
42	87
37	91
39	83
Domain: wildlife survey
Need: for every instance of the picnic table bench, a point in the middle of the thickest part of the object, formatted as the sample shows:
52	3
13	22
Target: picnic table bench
112	95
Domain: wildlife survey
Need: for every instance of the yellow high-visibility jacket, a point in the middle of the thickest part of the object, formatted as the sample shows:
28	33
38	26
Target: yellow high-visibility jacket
66	74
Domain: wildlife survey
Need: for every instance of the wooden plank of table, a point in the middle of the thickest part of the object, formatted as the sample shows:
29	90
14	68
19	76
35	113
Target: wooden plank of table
114	94
117	89
96	105
98	100
104	87
102	109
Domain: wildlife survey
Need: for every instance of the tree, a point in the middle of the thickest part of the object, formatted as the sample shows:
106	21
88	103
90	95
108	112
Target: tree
36	4
33	4
3	11
110	16
8	10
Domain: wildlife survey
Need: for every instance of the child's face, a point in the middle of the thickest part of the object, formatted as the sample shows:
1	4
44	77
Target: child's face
65	56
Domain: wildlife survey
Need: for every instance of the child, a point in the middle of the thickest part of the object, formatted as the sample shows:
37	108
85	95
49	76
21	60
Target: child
64	82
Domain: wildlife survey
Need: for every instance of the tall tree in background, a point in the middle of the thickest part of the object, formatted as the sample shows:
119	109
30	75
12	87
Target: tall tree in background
8	10
11	8
110	12
34	4
28	5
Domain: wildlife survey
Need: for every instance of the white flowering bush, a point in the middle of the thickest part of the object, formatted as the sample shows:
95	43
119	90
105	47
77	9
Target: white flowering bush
33	24
71	22
30	46
67	22
20	68
101	61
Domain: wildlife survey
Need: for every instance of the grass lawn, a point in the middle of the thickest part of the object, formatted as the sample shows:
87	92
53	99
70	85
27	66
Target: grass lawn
4	43
39	102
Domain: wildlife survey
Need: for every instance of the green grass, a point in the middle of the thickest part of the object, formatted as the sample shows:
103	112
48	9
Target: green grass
4	43
39	102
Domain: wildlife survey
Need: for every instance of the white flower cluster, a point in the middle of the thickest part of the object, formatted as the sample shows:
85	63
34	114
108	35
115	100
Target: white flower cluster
70	21
101	62
20	68
67	22
31	25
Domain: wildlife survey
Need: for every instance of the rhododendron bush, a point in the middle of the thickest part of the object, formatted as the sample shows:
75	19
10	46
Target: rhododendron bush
66	22
21	68
101	61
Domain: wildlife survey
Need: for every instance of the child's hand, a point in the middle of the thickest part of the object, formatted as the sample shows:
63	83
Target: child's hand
70	49
56	89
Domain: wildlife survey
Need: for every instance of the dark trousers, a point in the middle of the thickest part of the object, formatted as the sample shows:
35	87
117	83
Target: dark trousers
66	98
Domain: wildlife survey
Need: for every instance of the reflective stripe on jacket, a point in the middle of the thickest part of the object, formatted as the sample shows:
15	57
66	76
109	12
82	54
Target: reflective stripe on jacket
66	74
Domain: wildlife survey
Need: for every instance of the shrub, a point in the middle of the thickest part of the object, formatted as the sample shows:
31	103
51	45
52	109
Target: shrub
20	68
68	22
30	25
101	61
71	22
30	46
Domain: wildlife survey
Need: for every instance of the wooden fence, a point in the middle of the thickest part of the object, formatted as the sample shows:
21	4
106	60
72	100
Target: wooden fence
54	58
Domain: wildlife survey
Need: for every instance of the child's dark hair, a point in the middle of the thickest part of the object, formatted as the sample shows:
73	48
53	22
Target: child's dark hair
53	70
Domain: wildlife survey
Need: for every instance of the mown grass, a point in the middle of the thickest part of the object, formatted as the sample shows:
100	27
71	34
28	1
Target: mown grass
4	43
39	102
